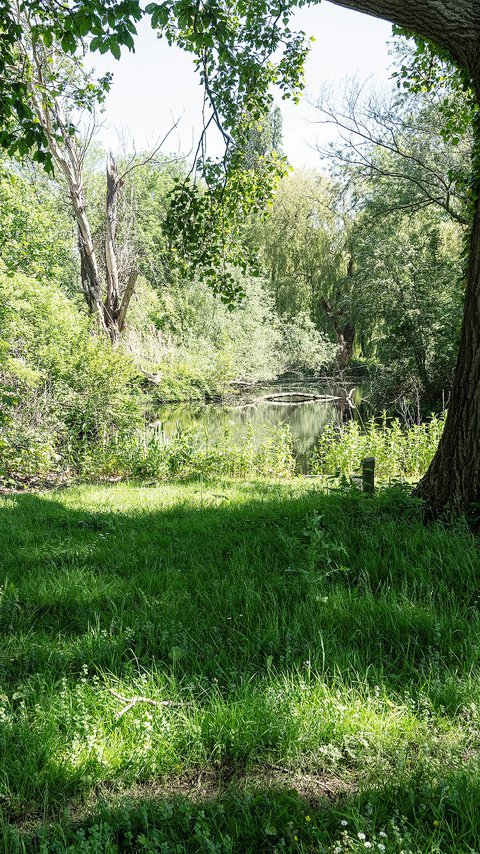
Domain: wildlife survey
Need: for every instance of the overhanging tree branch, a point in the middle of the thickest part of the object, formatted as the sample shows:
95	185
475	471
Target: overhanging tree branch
453	25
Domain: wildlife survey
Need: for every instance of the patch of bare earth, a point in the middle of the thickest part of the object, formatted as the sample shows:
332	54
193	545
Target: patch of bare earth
198	786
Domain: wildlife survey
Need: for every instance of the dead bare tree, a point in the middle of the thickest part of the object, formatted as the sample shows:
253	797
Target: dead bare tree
108	279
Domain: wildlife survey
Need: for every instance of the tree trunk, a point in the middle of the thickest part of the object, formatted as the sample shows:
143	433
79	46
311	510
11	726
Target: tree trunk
345	332
68	157
345	341
91	283
126	297
112	298
452	24
113	309
116	301
453	478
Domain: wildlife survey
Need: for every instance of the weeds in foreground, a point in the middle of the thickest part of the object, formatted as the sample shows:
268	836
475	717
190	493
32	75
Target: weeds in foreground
150	455
248	822
400	453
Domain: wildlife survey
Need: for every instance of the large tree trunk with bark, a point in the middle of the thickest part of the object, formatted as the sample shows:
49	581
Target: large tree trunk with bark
453	479
451	24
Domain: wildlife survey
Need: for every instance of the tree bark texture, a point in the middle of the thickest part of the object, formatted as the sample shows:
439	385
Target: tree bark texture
112	298
112	309
104	297
453	478
90	276
451	24
345	342
345	332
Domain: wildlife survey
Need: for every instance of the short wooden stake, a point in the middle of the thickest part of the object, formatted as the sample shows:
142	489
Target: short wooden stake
368	475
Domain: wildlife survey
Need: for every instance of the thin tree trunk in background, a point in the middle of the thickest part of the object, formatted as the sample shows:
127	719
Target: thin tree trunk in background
68	156
91	282
84	276
112	310
126	297
112	298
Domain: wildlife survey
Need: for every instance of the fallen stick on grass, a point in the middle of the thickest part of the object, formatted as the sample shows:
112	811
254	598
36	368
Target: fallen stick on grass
130	702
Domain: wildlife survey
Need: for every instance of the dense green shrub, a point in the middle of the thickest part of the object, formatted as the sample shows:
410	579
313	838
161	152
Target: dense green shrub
37	236
66	385
189	375
303	347
196	344
399	452
152	456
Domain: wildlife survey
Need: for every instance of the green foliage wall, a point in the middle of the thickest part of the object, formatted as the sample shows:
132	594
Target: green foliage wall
66	385
407	297
37	232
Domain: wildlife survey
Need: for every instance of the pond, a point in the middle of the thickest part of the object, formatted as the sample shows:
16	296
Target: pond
256	408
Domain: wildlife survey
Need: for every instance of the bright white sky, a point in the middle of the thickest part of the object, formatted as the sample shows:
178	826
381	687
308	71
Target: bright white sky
158	84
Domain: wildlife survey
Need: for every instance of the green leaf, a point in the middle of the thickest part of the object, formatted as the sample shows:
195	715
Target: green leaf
68	42
115	48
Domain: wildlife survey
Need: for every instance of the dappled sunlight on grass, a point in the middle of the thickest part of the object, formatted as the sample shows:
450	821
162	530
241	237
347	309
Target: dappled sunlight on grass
326	634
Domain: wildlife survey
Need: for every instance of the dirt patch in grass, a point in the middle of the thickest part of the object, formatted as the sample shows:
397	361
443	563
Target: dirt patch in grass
214	782
197	786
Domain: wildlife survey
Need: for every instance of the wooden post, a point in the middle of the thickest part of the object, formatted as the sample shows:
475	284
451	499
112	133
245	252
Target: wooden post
368	475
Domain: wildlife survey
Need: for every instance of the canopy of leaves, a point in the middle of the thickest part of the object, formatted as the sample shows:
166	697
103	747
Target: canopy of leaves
106	25
241	51
302	244
425	68
37	235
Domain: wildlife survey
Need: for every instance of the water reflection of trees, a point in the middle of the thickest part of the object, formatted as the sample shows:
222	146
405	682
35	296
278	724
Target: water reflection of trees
306	420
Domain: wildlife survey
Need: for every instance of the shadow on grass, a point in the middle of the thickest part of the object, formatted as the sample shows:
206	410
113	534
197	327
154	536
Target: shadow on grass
225	591
260	604
256	815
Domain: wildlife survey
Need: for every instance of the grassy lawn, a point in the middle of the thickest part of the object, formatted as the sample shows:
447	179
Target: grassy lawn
320	653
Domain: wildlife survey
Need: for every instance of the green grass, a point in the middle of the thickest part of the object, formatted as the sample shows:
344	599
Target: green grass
323	648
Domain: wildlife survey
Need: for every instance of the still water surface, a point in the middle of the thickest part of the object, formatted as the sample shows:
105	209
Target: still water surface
250	412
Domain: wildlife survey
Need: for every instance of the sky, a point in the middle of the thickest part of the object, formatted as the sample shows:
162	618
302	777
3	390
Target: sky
157	85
